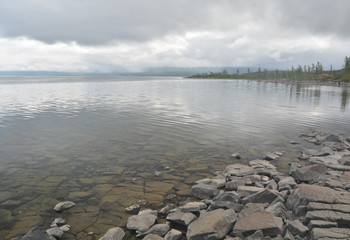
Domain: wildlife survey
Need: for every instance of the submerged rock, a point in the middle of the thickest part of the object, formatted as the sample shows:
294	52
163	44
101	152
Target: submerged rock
238	170
63	206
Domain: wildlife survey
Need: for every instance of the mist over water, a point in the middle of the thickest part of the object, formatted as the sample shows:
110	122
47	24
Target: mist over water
98	140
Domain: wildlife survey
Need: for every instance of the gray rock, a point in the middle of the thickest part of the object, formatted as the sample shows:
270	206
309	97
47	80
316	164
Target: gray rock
192	207
293	142
256	236
166	210
148	211
265	196
36	234
345	160
141	222
153	237
63	206
234	184
278	210
135	207
211	225
332	183
236	155
269	224
321	224
173	234
245	191
238	170
225	205
55	232
329	233
157	229
58	222
309	173
204	191
261	164
272	185
297	228
288	236
343	219
181	218
115	233
270	156
228	196
250	208
157	173
330	161
345	208
287	181
324	151
65	228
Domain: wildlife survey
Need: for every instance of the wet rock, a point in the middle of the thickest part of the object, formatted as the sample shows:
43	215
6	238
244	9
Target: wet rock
270	156
269	224
305	193
115	233
239	170
321	224
329	233
264	196
157	229
181	218
135	207
55	232
63	206
192	207
173	234
297	228
211	225
166	210
153	237
204	191
58	222
343	219
141	222
236	155
309	173
287	181
245	191
148	211
36	233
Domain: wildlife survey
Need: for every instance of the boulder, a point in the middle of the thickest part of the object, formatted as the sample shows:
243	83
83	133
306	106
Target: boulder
297	228
115	233
250	208
309	173
63	206
204	191
148	211
225	205
36	234
256	236
269	224
157	229
141	222
173	234
238	170
181	218
58	222
211	225
228	196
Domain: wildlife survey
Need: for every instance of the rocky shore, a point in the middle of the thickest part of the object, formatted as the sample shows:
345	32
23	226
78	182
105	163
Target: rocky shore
253	201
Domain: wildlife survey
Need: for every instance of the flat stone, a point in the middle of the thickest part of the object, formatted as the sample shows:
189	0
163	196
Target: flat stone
211	225
321	224
270	156
153	237
256	236
148	211
332	207
324	151
245	191
204	191
63	206
158	229
329	233
250	208
141	222
297	228
166	210
269	224
228	196
36	234
173	234
272	185
55	232
238	170
287	181
261	164
309	173
332	183
192	207
115	233
305	193
278	210
345	160
264	196
181	218
343	219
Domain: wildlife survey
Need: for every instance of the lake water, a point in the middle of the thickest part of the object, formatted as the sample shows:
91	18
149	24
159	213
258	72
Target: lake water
98	140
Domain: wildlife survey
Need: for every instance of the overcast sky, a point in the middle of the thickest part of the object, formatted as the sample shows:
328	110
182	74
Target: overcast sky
133	35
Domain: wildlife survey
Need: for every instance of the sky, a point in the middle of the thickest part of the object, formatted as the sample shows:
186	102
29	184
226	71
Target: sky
134	35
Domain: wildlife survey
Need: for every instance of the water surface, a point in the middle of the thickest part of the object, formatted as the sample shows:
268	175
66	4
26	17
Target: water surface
98	140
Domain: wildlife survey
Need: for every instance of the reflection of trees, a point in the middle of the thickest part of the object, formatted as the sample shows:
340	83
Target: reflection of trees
344	98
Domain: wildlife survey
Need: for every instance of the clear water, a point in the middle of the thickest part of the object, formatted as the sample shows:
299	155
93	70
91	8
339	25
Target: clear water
98	140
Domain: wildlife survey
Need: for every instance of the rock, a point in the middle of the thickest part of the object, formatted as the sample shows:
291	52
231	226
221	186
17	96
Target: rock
115	233
305	193
330	161
204	191
157	229
211	225
343	219
332	183
192	207
148	211
55	232
288	236
256	236
63	206
297	228
228	196
245	191
238	170
36	234
65	228
345	160
58	222
166	210
309	173
270	156
269	224
141	222
321	224
293	142
234	184
135	207
261	164
250	208
236	155
265	196
157	173
324	151
278	210
287	181
332	207
173	234
225	205
329	233
181	218
272	185
153	237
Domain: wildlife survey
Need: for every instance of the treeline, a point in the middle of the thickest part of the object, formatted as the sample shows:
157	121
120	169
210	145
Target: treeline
300	73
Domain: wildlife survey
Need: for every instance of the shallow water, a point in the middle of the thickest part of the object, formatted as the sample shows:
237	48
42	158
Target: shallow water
98	140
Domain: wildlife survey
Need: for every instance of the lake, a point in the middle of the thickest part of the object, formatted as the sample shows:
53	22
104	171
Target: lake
99	140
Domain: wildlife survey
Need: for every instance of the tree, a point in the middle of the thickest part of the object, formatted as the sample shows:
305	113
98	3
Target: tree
347	65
